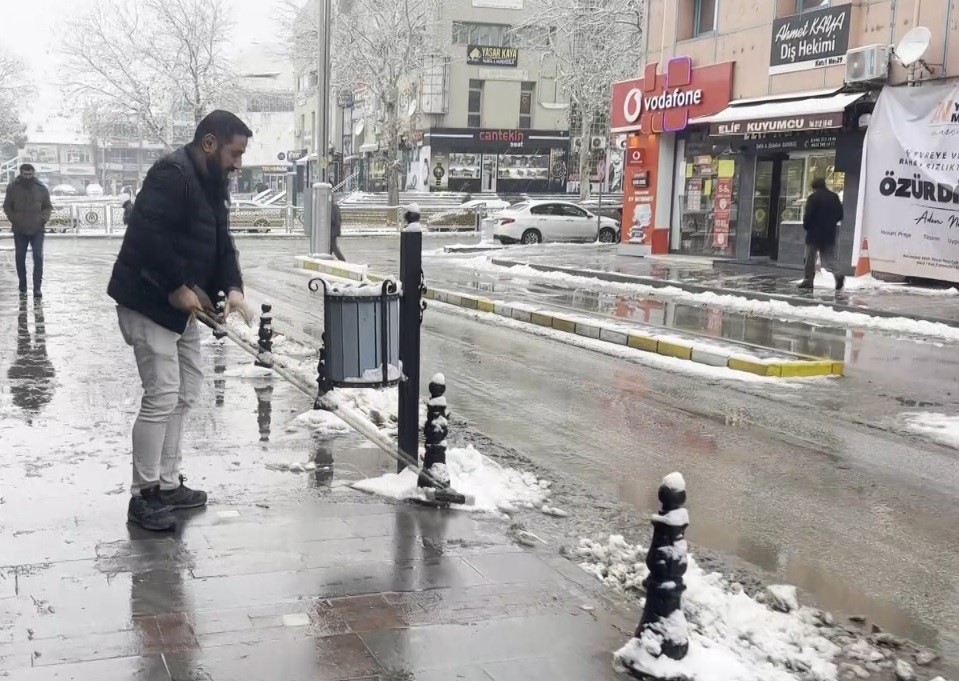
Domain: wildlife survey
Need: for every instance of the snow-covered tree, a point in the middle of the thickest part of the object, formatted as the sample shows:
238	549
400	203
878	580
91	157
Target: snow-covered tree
592	43
13	87
379	51
155	63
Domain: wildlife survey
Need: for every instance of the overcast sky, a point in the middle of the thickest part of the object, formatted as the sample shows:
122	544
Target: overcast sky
29	28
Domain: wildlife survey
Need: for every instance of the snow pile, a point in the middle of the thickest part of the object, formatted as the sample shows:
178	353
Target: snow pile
495	488
320	421
732	637
773	309
868	283
941	428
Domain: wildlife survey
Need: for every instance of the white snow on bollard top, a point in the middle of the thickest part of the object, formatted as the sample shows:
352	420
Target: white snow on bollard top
413	226
438	379
675	482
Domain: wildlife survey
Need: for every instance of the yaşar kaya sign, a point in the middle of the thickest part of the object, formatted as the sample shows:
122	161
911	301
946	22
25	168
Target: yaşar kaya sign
909	197
490	55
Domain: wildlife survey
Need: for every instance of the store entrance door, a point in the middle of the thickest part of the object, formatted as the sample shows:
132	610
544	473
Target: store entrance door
777	198
489	173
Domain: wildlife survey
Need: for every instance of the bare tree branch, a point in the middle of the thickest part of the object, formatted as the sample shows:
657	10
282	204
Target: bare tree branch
592	44
13	88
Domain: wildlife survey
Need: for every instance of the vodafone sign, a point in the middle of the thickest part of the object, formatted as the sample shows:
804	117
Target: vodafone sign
665	102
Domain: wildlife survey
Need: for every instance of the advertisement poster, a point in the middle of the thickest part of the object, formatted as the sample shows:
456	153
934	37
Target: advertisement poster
440	175
722	212
909	197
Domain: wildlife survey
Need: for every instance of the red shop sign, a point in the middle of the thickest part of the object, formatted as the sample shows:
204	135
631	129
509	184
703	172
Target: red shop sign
665	102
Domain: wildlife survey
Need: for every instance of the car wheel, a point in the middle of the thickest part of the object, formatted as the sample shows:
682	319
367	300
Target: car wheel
607	235
531	236
262	222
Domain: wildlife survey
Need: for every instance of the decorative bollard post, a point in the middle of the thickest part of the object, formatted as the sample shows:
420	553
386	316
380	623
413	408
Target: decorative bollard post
436	430
662	630
411	316
220	314
264	343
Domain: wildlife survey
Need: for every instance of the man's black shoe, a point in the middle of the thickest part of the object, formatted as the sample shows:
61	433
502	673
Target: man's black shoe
150	513
804	285
37	294
183	497
840	281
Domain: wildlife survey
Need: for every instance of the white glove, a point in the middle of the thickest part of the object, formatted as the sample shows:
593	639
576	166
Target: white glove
236	302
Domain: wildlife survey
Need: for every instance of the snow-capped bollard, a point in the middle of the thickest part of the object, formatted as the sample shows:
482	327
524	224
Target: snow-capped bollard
662	630
220	314
264	344
436	430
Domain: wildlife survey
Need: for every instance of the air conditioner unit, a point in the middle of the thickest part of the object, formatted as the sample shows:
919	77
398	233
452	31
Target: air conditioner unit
577	143
869	63
597	142
621	142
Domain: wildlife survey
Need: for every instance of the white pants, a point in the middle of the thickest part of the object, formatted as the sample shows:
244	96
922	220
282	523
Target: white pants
169	365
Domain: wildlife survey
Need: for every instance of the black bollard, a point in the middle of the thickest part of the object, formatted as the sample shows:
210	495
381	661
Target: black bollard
264	345
264	410
435	431
411	276
220	314
663	621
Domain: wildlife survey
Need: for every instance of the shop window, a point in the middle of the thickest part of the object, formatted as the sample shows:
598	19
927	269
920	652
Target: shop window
806	5
708	204
526	93
78	155
475	111
696	18
824	166
523	167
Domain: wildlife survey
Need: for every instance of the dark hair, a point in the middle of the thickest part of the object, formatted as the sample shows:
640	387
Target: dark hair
223	125
26	167
818	183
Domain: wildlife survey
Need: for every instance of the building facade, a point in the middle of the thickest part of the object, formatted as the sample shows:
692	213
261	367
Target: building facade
488	116
739	104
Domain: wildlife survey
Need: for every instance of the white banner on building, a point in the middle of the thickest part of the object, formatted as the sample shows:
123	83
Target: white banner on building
909	189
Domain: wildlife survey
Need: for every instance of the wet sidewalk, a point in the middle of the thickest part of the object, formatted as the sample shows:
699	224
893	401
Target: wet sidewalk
932	303
286	575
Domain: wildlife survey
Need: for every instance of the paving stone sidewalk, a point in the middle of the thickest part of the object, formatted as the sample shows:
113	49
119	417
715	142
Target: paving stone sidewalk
285	576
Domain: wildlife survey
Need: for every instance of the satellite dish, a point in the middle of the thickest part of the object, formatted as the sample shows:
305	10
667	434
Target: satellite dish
358	128
913	45
412	109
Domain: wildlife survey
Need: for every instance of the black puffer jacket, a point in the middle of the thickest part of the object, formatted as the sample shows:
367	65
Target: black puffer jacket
822	217
179	234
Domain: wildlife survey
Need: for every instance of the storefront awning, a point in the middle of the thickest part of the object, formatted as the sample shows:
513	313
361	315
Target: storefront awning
785	115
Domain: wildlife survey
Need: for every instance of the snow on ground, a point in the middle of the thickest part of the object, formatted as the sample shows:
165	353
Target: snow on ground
868	283
680	366
320	422
732	637
941	428
775	309
494	487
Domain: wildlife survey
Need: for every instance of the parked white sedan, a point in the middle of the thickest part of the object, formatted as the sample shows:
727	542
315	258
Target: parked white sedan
534	222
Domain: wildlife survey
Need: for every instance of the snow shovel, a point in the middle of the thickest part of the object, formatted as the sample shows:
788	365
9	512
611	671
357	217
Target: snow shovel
440	494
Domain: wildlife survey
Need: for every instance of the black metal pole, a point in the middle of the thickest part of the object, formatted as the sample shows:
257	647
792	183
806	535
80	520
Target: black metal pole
411	270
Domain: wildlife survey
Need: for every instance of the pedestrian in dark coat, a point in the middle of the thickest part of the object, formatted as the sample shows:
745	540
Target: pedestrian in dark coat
176	250
336	227
27	207
127	211
821	220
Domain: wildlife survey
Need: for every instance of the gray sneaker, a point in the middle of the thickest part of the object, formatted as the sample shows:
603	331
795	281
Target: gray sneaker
149	512
183	497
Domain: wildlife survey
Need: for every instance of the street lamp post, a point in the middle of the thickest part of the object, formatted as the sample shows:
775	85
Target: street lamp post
322	191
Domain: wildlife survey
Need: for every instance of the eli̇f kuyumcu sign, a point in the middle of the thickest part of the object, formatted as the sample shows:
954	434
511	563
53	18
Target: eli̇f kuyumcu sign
909	196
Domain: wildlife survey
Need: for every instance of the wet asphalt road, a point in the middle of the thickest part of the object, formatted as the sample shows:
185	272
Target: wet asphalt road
859	517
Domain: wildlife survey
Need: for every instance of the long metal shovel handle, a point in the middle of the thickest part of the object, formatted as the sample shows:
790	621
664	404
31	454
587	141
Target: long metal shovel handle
348	414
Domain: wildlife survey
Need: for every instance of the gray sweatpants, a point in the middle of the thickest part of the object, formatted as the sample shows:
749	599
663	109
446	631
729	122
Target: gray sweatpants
169	365
827	254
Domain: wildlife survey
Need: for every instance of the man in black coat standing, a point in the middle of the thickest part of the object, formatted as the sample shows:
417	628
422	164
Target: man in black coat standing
821	221
27	206
176	251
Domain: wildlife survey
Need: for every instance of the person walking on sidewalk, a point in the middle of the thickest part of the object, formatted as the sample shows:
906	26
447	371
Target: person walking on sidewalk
176	249
27	207
821	221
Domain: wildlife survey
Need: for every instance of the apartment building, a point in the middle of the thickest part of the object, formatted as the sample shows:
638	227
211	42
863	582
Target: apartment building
741	103
489	115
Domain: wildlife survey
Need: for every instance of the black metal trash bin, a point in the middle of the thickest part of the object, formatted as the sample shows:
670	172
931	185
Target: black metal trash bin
361	334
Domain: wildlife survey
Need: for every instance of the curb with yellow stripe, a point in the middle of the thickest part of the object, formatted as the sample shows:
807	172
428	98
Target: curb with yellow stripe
797	367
